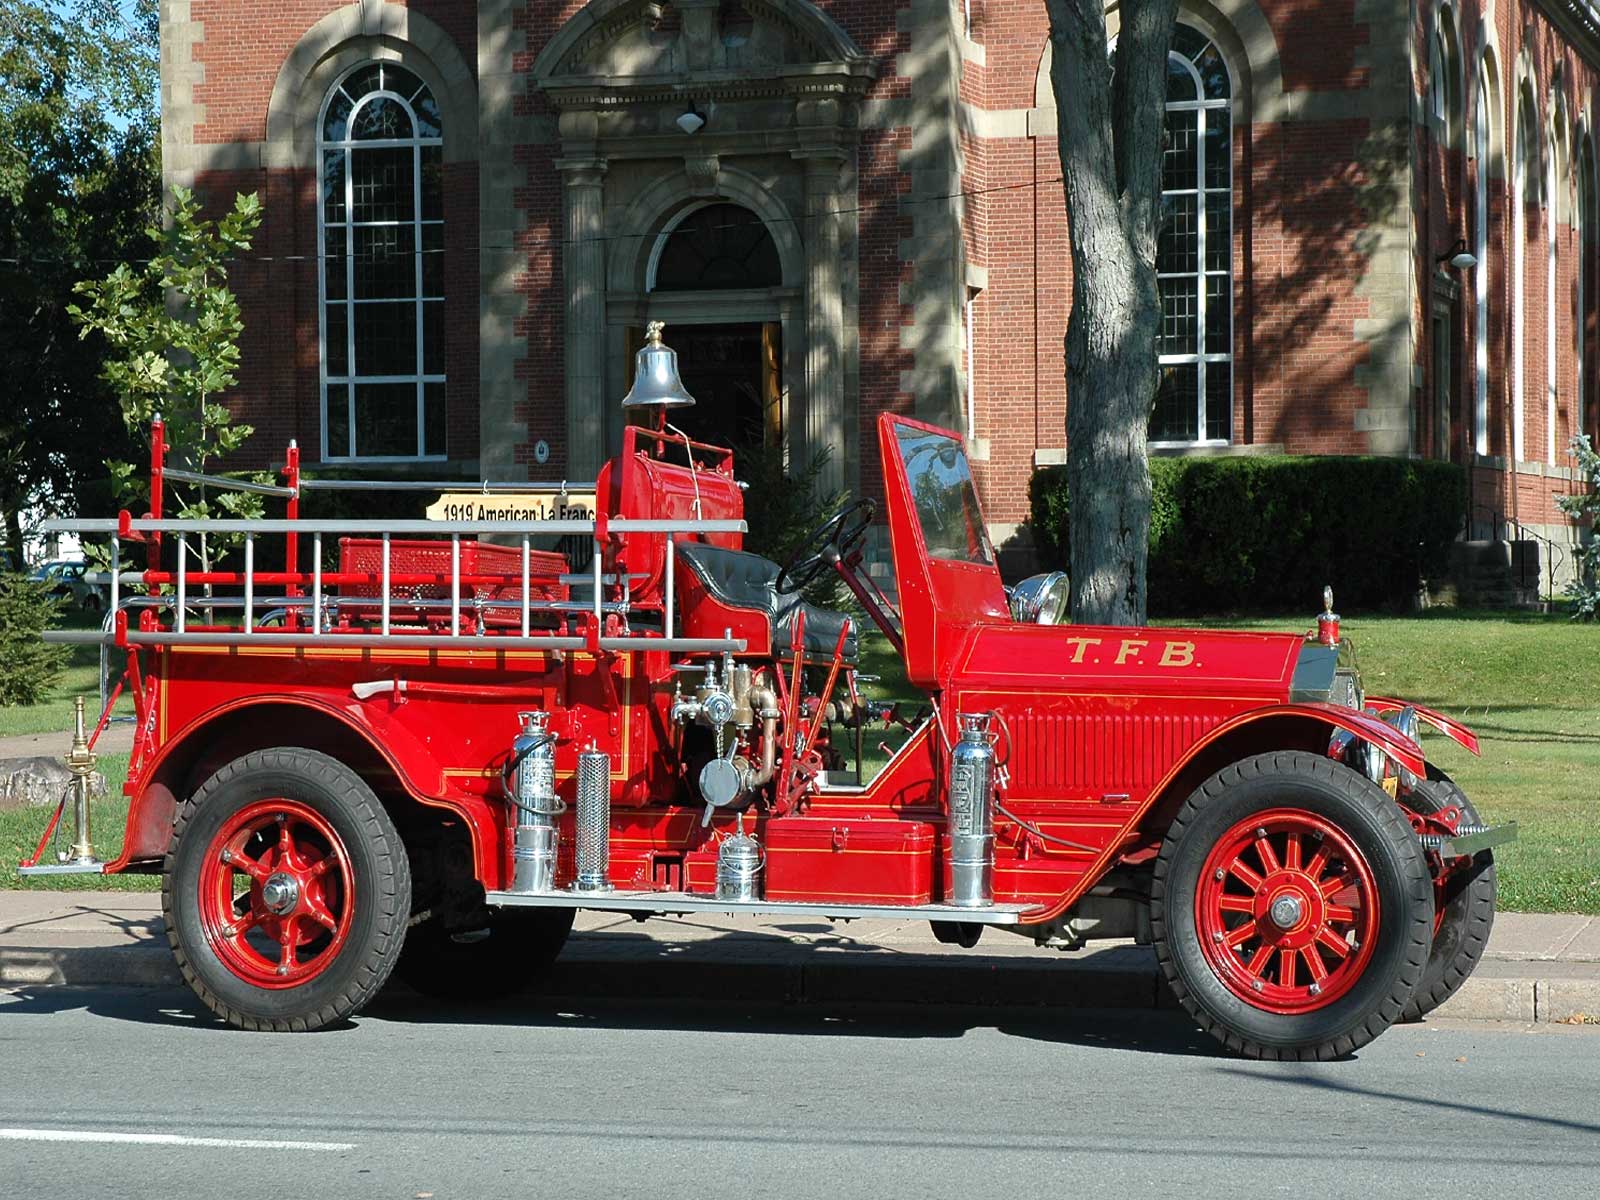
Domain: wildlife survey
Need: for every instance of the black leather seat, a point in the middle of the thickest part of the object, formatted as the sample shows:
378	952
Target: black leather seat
747	581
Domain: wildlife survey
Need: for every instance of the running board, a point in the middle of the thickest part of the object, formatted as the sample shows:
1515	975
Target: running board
66	868
684	902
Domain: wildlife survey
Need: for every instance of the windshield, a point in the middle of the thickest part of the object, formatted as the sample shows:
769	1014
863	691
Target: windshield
945	500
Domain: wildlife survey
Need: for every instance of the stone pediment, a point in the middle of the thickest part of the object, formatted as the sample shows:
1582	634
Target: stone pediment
629	44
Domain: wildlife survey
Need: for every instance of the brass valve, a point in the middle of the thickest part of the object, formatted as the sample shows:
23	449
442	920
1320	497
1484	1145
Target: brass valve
81	762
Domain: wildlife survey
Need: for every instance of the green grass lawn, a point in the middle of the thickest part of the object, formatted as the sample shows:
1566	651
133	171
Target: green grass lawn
81	678
1522	682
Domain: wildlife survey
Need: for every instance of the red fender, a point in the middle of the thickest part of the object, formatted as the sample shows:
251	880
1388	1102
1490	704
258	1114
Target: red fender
411	762
1453	729
1334	716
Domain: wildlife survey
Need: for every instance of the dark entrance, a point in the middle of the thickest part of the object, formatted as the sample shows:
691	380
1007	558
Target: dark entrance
732	371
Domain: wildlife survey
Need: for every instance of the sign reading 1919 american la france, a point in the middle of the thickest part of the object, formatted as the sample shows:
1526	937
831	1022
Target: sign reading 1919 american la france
475	506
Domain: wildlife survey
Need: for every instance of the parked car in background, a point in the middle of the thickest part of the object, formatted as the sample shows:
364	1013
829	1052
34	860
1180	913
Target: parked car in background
72	587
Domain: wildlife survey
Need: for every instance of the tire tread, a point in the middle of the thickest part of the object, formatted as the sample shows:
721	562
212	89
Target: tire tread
1415	957
392	898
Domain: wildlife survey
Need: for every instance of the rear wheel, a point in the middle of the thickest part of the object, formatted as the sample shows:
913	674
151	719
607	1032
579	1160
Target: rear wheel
1291	908
286	891
1463	906
508	955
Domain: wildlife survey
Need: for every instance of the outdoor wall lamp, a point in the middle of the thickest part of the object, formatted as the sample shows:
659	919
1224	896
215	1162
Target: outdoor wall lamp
1459	258
691	122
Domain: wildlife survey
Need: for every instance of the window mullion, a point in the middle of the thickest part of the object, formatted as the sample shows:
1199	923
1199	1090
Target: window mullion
416	308
1200	276
349	300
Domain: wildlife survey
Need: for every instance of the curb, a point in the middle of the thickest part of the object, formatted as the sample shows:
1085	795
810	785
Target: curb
590	970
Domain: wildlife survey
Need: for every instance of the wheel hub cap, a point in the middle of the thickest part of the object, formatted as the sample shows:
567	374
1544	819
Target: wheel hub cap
280	893
1286	911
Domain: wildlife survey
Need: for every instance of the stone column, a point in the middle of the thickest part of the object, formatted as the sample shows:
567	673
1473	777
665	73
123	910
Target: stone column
583	262
823	419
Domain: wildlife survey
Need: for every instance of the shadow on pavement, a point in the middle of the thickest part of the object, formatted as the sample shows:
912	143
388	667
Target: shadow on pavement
1342	1088
1167	1033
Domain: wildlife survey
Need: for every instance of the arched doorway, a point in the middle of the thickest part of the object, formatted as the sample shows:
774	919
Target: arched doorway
730	354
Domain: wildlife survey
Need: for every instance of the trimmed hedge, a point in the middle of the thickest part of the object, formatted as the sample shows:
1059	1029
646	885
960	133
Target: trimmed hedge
1266	532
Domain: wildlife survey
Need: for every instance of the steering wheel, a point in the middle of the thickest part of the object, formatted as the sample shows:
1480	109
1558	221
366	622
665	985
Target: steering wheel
835	539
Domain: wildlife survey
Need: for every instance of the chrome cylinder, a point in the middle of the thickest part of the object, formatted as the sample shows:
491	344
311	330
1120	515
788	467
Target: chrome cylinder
592	825
969	865
534	840
739	862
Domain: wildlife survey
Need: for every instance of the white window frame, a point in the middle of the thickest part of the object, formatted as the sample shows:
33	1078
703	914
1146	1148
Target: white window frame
1201	359
1480	273
1527	130
1551	388
349	381
1438	89
1583	202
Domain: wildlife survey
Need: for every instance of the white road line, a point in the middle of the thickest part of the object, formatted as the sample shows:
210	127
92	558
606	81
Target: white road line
161	1139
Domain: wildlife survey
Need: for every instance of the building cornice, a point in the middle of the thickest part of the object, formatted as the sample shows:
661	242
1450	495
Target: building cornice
1579	20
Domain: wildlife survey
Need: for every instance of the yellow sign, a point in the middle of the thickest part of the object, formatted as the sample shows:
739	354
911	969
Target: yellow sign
475	506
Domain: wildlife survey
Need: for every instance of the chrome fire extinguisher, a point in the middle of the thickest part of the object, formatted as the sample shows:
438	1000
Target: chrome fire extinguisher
969	867
529	781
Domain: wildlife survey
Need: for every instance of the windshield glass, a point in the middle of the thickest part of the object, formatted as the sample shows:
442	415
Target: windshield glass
942	492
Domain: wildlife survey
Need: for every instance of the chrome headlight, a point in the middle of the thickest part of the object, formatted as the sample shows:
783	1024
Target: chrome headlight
1042	599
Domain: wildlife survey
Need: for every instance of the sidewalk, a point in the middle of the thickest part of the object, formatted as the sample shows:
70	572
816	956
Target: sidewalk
117	739
1538	967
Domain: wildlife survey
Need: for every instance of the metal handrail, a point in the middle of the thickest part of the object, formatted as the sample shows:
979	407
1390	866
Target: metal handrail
232	485
460	487
320	635
1557	556
270	525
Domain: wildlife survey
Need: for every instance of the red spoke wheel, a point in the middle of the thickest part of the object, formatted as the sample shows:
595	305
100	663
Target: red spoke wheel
1287	911
1291	907
286	891
275	894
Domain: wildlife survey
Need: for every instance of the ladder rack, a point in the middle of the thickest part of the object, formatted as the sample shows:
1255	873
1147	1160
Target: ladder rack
252	633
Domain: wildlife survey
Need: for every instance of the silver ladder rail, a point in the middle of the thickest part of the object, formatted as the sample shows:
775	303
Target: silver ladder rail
252	634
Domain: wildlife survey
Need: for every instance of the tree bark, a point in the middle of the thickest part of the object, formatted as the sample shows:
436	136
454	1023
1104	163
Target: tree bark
1109	135
13	520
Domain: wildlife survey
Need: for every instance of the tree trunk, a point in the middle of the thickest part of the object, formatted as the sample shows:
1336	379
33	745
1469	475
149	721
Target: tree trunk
1110	136
14	539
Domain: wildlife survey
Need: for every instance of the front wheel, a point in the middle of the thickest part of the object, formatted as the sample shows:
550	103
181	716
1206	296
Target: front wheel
1463	906
1292	908
286	891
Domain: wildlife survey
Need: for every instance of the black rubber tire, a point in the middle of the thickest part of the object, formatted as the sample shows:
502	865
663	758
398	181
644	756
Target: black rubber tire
508	956
1468	907
1366	815
380	874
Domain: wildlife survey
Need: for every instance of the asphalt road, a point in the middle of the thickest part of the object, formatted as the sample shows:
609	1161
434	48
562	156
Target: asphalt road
132	1094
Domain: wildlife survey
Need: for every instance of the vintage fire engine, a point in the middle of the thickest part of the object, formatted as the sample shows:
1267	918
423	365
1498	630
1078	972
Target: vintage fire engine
421	746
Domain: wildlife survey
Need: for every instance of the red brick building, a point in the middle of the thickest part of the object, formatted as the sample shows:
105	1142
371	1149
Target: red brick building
852	206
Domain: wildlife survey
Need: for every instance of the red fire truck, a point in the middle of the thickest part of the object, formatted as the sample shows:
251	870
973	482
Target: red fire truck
422	745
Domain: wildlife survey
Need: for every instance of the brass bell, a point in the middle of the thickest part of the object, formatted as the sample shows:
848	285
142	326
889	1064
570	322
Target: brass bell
655	375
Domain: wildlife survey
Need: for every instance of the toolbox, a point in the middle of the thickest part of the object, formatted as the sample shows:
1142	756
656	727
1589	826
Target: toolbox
857	860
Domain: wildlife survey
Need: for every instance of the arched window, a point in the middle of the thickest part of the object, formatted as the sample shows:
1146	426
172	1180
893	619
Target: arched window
1444	81
1584	235
1439	89
1194	255
381	222
1524	191
1555	171
1482	110
713	247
